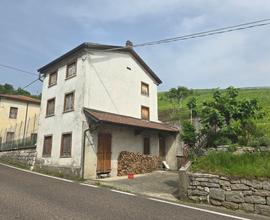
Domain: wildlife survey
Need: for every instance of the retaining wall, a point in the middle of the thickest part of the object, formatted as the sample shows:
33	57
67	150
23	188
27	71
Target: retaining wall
24	157
250	195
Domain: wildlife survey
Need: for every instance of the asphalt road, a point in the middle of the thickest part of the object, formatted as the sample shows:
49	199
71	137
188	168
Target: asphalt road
28	196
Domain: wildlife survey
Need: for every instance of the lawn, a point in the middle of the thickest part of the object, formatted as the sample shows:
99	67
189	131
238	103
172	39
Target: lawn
228	164
261	94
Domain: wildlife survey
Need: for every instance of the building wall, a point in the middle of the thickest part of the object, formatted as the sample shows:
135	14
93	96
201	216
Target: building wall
123	139
17	125
111	87
62	122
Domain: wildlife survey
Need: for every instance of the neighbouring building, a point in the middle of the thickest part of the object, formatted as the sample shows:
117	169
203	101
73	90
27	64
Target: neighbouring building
97	101
18	118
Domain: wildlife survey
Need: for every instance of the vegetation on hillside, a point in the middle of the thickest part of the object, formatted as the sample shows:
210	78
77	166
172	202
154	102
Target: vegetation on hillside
226	163
9	89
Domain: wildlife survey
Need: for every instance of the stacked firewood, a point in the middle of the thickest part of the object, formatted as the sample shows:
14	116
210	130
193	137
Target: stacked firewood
136	163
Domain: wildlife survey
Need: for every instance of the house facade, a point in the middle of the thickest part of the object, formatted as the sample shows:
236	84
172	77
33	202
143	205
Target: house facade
18	117
99	100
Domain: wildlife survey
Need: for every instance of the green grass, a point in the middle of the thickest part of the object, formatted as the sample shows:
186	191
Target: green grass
261	94
225	163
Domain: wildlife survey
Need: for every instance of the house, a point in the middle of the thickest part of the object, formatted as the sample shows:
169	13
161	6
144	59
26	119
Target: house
18	117
97	101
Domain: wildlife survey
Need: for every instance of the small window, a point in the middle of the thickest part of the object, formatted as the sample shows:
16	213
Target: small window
13	112
146	145
144	89
71	70
52	79
34	138
69	102
145	113
66	145
10	137
47	146
50	107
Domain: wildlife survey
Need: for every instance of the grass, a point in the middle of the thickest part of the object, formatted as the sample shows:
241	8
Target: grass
261	94
228	164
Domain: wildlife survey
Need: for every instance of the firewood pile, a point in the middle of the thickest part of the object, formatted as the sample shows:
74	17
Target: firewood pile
136	163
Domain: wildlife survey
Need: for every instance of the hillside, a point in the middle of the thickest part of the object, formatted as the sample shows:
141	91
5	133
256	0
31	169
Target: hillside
166	107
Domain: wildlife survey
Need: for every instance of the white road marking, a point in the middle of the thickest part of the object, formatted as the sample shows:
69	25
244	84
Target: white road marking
199	209
84	184
36	173
122	192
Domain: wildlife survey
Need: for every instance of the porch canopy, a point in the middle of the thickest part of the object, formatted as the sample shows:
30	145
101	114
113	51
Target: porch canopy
111	118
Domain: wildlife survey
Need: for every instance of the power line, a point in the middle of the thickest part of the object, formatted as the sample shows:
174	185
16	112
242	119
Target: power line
31	83
208	33
18	69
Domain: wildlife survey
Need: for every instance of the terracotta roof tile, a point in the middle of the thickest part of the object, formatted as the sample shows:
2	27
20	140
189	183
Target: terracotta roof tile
126	120
21	98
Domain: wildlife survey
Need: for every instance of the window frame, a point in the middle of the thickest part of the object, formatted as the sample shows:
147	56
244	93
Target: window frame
16	112
73	104
145	107
43	152
68	65
50	115
148	90
62	155
52	84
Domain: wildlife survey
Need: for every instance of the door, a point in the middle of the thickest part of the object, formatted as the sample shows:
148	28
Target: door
104	153
162	148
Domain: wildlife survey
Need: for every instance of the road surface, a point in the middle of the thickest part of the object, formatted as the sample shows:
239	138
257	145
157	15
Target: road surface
28	196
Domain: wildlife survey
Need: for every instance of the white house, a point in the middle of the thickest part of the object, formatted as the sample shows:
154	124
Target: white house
99	100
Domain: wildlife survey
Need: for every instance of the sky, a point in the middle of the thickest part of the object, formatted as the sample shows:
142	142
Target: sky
34	32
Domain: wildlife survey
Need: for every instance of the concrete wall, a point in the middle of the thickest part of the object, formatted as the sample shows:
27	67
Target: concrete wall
113	88
25	157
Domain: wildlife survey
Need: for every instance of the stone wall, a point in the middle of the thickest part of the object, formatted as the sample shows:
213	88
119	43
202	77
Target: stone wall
250	195
136	163
23	157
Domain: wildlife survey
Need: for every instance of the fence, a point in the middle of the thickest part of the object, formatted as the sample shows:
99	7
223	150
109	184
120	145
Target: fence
20	135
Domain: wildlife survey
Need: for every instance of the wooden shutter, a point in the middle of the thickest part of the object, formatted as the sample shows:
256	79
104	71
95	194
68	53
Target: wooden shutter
50	107
13	112
71	70
144	89
69	102
146	145
47	146
52	78
66	145
145	113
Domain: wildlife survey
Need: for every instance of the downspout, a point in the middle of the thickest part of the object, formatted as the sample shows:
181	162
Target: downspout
83	153
25	122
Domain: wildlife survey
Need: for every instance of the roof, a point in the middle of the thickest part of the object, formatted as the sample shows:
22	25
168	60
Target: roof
100	116
21	98
110	48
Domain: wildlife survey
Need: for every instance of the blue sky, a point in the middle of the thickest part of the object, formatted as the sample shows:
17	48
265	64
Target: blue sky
34	32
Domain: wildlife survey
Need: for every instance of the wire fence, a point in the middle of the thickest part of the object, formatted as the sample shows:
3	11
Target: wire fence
19	135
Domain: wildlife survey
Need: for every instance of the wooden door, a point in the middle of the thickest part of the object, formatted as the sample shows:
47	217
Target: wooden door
162	148
104	153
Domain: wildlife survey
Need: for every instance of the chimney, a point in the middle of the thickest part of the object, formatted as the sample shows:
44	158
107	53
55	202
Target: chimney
129	43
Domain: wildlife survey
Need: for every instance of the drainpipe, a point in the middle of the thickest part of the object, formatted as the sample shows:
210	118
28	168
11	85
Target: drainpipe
25	121
83	153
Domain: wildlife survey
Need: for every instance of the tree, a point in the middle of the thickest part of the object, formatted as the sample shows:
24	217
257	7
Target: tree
227	117
178	94
192	105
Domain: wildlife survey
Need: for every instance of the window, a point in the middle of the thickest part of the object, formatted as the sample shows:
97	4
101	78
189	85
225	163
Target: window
144	89
66	145
71	70
47	146
13	112
10	136
145	113
33	138
52	79
0	141
50	107
69	102
146	145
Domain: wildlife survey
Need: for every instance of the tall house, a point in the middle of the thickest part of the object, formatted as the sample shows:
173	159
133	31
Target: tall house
18	117
97	101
